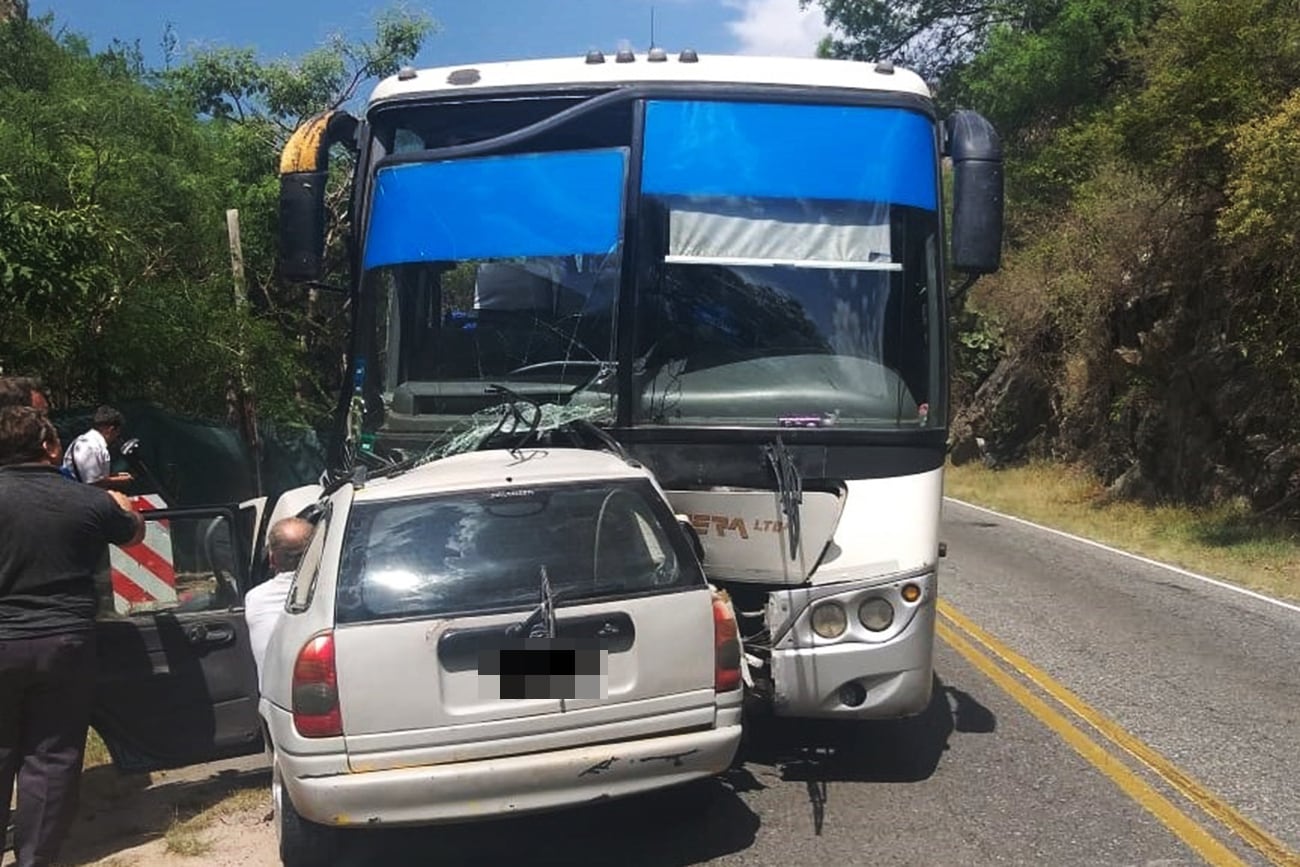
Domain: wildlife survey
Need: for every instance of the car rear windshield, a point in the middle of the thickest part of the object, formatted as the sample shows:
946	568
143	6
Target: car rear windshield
488	550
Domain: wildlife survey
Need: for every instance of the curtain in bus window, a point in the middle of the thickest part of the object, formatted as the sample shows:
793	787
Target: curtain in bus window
853	153
530	205
791	291
776	232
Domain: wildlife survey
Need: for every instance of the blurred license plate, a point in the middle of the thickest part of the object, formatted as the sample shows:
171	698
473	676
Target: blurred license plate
540	668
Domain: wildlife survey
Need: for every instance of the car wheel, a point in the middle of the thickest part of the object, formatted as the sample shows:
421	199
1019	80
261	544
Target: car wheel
302	843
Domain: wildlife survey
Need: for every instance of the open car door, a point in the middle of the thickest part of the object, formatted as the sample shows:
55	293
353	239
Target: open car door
177	683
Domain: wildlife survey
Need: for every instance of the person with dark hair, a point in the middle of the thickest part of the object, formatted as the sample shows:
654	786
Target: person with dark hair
89	458
53	536
23	391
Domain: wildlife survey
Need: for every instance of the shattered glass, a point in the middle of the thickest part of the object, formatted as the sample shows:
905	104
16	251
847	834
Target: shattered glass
510	419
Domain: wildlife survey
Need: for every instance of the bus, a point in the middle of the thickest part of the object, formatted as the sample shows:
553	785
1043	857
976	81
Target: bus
737	269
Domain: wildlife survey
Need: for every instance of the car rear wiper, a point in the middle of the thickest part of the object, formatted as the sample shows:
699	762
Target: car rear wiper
541	622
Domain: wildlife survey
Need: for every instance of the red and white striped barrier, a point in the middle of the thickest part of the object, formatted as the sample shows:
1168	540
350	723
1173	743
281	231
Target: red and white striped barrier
144	575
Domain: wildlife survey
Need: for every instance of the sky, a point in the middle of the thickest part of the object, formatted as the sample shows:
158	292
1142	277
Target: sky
470	30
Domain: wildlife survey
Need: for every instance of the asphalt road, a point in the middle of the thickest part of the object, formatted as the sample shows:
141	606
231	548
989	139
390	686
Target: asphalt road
1200	681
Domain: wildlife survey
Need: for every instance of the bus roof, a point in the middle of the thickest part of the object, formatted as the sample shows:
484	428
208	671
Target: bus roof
708	69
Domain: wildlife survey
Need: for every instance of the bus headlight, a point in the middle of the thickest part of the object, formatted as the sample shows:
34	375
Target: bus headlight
876	614
829	620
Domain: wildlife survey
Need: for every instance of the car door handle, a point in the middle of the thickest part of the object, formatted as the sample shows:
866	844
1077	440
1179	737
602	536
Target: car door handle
210	633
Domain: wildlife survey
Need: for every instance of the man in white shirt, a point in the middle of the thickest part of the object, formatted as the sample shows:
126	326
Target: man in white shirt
263	605
88	459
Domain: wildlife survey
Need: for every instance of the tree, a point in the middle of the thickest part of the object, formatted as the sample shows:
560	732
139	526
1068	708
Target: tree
232	84
13	9
105	191
1019	61
931	36
252	107
114	181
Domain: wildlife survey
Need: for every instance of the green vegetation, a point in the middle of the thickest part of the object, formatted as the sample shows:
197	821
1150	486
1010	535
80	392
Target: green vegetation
1225	540
96	751
115	179
1146	322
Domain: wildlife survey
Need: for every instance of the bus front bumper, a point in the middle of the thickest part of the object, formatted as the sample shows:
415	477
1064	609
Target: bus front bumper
853	679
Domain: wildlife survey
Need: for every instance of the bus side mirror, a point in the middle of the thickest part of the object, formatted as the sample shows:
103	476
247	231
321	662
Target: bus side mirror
304	171
977	200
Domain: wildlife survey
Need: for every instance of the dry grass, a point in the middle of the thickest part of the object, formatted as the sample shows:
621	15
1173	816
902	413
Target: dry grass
96	751
187	835
1224	541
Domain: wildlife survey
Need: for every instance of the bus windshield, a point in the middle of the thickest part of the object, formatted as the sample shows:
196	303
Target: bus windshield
786	273
494	271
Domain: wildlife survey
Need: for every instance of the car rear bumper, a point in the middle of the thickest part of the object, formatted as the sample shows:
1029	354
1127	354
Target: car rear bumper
462	791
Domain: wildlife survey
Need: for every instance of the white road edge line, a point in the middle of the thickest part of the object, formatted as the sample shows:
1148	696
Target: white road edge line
1147	560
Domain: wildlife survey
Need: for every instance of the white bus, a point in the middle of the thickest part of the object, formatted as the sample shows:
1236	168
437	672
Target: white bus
734	266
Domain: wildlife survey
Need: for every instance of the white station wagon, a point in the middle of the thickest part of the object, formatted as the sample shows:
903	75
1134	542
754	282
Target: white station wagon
494	633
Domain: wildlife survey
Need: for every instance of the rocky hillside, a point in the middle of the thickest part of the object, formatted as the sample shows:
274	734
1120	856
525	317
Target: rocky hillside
1147	320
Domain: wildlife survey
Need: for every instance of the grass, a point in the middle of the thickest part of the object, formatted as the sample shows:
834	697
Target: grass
187	835
96	751
1225	541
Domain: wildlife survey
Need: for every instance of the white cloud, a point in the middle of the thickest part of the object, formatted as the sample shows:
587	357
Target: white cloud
776	28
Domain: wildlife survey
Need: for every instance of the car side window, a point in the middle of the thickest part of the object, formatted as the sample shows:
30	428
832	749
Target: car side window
185	563
303	587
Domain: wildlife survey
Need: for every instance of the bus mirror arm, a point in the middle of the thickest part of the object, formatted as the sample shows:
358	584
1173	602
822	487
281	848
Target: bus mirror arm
958	293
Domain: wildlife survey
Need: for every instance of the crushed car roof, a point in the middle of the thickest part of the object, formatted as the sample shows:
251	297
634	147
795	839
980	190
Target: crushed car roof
501	468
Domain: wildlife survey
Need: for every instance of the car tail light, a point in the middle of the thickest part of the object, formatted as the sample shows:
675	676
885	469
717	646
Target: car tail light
316	711
726	646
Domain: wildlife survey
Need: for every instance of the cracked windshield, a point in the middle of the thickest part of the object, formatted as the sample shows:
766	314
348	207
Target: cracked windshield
514	284
652	432
773	294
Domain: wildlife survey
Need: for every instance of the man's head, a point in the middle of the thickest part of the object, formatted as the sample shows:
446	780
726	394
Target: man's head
286	542
108	422
27	437
22	391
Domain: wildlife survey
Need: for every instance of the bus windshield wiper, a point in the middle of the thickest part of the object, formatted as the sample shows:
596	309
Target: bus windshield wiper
789	487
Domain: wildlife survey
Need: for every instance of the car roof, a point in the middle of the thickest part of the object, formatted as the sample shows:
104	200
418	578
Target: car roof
709	69
499	468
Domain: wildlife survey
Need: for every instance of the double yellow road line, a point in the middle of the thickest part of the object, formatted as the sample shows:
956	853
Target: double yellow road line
984	652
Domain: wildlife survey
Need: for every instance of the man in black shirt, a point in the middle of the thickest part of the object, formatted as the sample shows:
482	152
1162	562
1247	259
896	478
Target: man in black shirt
53	534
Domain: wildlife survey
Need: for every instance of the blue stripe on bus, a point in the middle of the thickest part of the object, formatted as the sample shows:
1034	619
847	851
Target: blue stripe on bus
790	151
550	204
